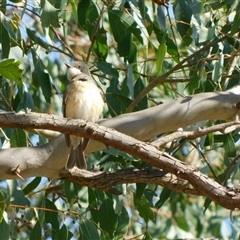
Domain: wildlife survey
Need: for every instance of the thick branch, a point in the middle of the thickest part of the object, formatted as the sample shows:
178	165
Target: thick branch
108	181
144	151
49	159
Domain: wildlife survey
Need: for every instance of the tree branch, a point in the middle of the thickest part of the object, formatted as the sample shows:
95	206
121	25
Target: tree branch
107	181
161	79
49	159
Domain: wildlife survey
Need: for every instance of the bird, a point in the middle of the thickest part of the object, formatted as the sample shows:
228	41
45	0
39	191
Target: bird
81	100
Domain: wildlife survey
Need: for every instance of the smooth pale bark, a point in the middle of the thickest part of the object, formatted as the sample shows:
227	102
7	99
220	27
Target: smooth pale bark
142	125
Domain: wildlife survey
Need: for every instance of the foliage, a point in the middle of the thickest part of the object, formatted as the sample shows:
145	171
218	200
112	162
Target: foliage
128	43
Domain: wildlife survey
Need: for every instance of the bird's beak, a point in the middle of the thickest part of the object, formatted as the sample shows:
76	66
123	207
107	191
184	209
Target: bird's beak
68	65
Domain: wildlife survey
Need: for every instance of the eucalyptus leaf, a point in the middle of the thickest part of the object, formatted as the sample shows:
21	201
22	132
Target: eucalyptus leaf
121	23
36	39
49	16
9	68
4	37
144	208
218	68
52	217
183	15
36	231
161	52
229	145
18	138
108	219
88	230
2	206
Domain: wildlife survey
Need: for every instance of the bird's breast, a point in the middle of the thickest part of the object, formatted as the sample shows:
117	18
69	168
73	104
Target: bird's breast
83	101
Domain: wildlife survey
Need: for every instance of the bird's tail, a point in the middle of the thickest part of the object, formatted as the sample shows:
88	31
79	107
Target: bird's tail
76	157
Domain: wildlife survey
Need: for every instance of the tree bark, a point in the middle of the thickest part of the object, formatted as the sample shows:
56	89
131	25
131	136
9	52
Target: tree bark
49	159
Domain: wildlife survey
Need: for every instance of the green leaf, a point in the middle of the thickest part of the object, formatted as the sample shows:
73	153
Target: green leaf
40	74
183	15
105	235
144	208
74	9
49	14
17	54
218	69
9	68
164	196
91	25
123	222
187	39
100	46
162	49
23	100
93	205
19	198
122	26
5	231
36	232
210	140
52	217
107	69
207	203
147	236
83	7
88	230
235	24
194	80
142	8
36	39
4	38
140	190
18	138
121	36
138	87
63	233
2	205
132	56
130	80
182	223
118	103
172	48
124	46
107	217
71	191
229	145
87	15
32	185
121	22
161	18
113	104
16	1
11	27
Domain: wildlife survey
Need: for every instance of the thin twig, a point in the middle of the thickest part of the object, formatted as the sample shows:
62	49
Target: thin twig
223	127
162	78
96	28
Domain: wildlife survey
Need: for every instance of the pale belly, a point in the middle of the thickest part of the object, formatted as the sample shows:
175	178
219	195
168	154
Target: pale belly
86	103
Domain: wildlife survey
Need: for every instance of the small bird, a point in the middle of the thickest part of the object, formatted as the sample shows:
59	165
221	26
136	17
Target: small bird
82	100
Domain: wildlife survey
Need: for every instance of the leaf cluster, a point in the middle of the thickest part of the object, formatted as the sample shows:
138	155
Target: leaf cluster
142	54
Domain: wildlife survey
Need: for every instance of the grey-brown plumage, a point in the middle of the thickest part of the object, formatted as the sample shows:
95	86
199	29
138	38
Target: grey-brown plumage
82	100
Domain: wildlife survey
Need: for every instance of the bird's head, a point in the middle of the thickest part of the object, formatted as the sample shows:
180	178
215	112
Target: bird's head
77	68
